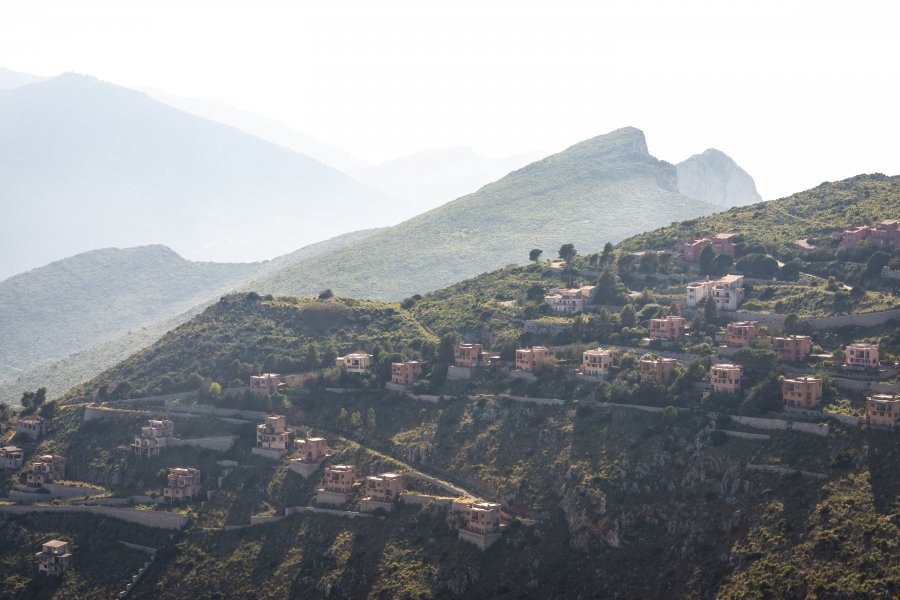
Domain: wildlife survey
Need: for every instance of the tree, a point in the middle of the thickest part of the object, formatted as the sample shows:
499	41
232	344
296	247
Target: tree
326	294
877	262
356	420
706	260
370	418
567	252
722	263
606	257
649	262
343	417
610	289
628	317
789	272
535	255
710	312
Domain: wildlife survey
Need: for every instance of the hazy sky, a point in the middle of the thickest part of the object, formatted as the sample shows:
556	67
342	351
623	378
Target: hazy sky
797	92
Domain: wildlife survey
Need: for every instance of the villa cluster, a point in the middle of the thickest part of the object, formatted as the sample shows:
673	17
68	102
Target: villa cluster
883	235
727	292
569	301
722	243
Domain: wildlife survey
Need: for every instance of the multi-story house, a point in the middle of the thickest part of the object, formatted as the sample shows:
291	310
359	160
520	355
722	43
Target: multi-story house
355	362
183	483
267	384
45	469
739	334
728	292
596	362
801	392
885	234
883	410
569	301
405	373
657	368
722	243
54	558
467	355
862	355
725	378
482	526
273	433
698	292
11	457
33	426
792	348
672	328
311	449
155	435
385	487
528	359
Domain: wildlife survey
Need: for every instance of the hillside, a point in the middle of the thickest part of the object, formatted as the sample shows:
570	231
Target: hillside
820	213
94	310
85	300
87	164
600	190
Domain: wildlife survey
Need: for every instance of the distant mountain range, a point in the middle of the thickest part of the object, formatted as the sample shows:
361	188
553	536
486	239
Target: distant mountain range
86	164
425	179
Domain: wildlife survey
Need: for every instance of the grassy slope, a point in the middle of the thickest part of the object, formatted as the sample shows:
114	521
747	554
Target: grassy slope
160	315
236	328
597	191
822	211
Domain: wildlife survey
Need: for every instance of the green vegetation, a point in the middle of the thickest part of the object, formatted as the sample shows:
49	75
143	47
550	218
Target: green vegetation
600	190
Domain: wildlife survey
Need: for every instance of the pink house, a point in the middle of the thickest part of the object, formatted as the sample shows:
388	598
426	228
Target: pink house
668	328
801	392
725	378
528	359
861	355
792	348
693	247
467	355
405	373
741	333
266	384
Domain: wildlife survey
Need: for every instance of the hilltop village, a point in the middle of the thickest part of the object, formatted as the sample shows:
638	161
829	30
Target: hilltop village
350	429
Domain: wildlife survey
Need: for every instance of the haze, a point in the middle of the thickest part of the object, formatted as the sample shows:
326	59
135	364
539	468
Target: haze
767	81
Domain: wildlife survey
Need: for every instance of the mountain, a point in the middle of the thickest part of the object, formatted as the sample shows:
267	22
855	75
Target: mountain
68	321
425	179
72	304
601	190
86	164
13	79
432	177
714	177
268	129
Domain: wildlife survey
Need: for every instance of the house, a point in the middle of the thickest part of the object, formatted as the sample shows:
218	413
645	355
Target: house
885	234
45	469
273	434
883	410
482	526
671	328
792	348
54	557
657	368
801	392
310	449
739	334
382	491
183	483
155	435
405	373
698	292
528	359
11	457
861	355
725	378
569	301
355	362
722	243
728	292
337	488
467	355
34	426
309	453
267	384
596	362
693	247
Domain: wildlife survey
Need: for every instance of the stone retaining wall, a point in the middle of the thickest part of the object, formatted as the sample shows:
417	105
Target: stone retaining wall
209	409
222	443
349	514
455	373
820	429
149	518
863	320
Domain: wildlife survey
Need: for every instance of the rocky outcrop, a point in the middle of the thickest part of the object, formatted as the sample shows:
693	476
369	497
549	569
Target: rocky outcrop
715	178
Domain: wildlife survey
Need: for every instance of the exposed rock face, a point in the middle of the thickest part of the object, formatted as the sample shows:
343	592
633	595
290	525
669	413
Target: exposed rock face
714	177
